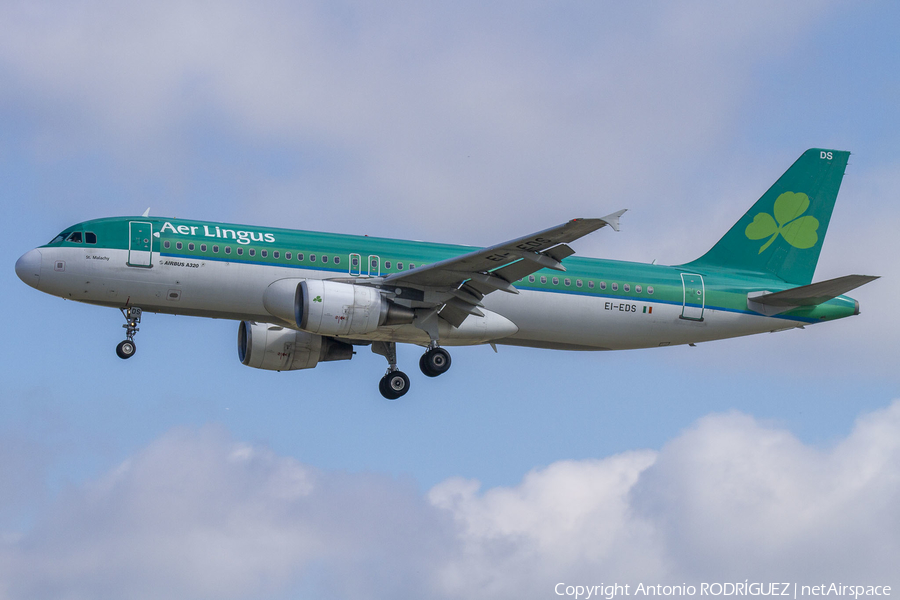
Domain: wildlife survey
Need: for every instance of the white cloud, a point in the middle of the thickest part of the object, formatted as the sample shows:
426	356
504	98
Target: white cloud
424	112
198	515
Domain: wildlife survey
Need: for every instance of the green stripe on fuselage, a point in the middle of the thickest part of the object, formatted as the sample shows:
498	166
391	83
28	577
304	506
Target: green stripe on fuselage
725	290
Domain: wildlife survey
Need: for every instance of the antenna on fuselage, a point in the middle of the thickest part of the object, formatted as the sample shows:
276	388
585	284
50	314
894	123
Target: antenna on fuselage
146	213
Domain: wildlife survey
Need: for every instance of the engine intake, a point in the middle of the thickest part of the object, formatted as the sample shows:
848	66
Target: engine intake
265	346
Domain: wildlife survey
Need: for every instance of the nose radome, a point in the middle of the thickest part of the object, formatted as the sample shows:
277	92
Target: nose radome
28	267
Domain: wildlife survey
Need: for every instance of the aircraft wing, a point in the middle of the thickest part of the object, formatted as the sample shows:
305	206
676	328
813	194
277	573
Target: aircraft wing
468	278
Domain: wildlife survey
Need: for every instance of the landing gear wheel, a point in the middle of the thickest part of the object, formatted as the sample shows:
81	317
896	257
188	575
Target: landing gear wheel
435	362
126	349
393	385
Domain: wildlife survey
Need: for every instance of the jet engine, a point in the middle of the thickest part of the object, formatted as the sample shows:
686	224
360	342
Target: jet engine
265	346
332	308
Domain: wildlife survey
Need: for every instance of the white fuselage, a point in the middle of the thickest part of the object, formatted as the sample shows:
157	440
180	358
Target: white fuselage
232	290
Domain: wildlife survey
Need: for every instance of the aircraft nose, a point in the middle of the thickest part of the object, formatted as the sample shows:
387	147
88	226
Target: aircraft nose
28	267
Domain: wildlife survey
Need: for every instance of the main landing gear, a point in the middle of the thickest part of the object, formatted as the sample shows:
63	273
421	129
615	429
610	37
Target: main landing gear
435	361
126	347
395	382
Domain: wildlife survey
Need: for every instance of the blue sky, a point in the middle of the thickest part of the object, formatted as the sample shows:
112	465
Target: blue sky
465	123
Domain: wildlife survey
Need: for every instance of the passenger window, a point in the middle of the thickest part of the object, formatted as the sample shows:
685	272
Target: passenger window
638	289
591	284
252	252
602	285
399	266
556	281
387	264
627	287
275	254
411	266
227	249
215	249
578	283
74	237
240	251
324	259
90	237
264	253
531	278
191	246
543	279
288	256
567	281
179	245
615	286
649	289
312	258
202	247
337	260
299	256
167	244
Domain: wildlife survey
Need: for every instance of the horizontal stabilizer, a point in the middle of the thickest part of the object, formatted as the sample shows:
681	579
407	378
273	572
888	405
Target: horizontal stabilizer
806	295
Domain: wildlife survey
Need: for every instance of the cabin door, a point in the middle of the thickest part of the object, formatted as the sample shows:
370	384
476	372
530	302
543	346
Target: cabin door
140	244
694	297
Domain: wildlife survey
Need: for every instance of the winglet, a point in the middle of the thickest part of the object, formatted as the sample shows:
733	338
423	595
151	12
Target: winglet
146	213
613	219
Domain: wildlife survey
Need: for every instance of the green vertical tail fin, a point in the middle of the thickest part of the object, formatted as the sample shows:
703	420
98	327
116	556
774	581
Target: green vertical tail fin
782	233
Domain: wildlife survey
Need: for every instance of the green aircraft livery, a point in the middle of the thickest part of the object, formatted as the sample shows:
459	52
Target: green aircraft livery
304	297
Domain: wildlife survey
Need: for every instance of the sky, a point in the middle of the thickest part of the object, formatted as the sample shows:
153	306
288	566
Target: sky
181	473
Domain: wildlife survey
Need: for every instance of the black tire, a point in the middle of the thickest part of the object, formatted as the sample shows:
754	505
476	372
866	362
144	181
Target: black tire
423	366
435	362
393	385
126	349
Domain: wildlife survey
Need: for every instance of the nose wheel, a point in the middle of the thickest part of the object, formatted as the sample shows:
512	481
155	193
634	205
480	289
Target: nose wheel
435	361
126	347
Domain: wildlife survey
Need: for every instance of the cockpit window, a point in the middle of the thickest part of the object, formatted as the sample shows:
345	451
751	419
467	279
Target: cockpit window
74	237
57	239
90	237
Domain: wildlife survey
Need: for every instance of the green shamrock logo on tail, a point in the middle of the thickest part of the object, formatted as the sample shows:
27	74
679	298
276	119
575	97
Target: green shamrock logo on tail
798	231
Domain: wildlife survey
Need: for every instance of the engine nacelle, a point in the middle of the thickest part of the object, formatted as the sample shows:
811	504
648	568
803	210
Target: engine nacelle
265	346
331	308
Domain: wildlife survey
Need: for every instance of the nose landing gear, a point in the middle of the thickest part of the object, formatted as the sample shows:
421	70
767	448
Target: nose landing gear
126	347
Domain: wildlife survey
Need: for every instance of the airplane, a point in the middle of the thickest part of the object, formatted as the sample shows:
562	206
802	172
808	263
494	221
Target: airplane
304	297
